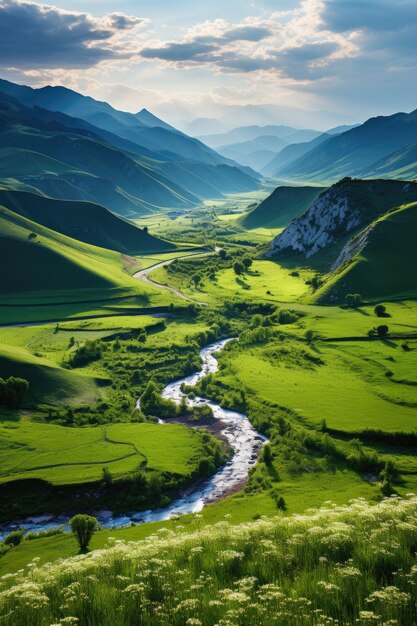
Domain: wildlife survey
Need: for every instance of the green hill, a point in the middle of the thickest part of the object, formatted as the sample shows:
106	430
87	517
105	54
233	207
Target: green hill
48	383
281	207
380	262
84	221
39	260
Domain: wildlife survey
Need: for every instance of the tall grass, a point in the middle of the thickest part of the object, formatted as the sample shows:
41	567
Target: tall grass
353	564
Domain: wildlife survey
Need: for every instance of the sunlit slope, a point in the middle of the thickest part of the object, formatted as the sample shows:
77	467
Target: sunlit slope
281	207
48	383
383	263
84	221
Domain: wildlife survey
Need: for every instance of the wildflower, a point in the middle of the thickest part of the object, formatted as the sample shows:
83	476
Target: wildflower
390	596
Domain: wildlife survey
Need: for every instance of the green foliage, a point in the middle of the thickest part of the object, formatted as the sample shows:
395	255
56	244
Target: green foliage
88	352
238	268
13	391
14	538
380	310
382	331
83	527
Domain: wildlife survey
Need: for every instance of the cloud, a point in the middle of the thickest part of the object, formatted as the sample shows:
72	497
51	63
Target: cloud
42	36
286	45
372	15
216	43
187	51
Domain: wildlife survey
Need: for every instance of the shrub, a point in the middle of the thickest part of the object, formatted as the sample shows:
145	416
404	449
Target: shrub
238	268
382	331
380	310
309	336
83	527
14	538
12	392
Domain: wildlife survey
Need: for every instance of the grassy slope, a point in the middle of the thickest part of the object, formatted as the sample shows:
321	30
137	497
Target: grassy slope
341	565
56	264
48	383
264	276
385	267
281	207
84	221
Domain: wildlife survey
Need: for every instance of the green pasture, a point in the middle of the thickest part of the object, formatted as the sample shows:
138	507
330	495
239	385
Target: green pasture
64	456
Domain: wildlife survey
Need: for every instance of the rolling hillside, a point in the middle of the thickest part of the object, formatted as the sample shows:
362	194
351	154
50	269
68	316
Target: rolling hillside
41	261
379	262
281	207
356	152
84	221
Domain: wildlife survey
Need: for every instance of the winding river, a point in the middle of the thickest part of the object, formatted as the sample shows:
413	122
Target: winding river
240	434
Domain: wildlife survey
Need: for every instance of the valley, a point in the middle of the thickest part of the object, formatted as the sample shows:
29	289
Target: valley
200	356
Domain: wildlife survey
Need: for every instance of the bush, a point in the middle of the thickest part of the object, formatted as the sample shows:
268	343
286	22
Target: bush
382	331
84	527
238	268
89	351
14	538
12	392
380	310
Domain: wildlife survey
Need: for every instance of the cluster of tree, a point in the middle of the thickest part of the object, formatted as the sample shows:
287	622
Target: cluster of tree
153	404
241	266
12	392
88	352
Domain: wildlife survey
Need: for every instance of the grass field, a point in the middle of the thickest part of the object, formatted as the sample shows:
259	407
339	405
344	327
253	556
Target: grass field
64	456
265	281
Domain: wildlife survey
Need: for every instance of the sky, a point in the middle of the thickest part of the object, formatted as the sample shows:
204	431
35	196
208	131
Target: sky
312	63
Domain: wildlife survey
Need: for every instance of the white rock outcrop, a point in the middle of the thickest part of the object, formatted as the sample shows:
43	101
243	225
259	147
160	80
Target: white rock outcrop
329	218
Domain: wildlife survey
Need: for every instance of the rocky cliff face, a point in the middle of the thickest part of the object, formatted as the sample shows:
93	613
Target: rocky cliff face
344	209
329	218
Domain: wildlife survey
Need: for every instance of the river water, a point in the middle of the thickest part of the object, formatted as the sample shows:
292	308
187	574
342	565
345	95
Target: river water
240	434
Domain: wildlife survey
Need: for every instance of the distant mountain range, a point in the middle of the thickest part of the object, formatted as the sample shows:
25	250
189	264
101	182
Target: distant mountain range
268	148
75	147
381	147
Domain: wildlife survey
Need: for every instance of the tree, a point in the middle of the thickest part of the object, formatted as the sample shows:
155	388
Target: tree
267	454
145	229
309	335
196	278
12	392
222	254
84	527
382	331
380	310
247	262
238	268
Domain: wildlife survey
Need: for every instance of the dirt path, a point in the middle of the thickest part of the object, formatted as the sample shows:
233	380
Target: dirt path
144	275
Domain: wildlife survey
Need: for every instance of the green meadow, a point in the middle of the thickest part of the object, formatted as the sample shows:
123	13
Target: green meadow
335	404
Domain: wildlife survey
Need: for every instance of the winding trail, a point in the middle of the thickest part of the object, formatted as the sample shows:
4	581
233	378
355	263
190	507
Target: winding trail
245	441
144	275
